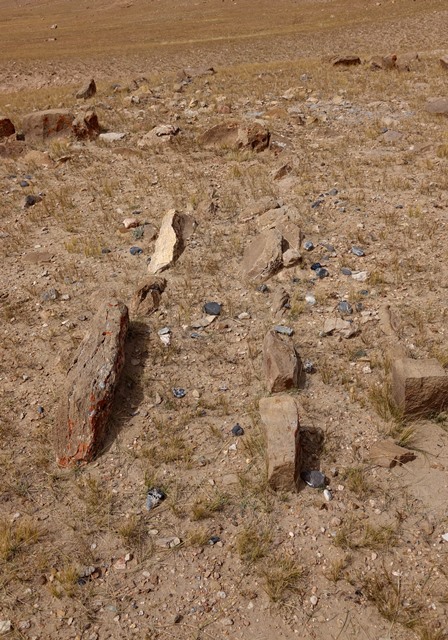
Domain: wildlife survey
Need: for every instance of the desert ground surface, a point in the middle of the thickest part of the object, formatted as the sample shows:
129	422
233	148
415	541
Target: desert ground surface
356	159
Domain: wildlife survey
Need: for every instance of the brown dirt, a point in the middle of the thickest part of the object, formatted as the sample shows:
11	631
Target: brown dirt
373	557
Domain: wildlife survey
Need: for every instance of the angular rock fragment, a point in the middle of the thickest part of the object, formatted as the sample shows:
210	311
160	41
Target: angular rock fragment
419	387
90	387
233	135
281	363
444	62
263	257
171	240
384	62
6	127
88	91
86	126
161	134
388	454
280	417
346	61
52	123
147	298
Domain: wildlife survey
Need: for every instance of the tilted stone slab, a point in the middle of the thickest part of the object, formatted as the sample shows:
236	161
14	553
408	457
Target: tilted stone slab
280	417
92	379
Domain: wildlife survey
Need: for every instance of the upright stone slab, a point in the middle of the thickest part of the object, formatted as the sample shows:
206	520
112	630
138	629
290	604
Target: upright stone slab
90	387
52	123
419	387
281	363
87	91
280	417
170	242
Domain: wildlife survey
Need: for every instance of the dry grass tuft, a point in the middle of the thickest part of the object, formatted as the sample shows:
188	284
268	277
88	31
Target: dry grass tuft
253	542
282	576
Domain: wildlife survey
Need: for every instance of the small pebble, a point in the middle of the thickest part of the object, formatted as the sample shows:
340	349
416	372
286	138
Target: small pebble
322	273
263	288
30	201
237	430
314	478
178	392
315	266
328	495
314	600
135	251
287	331
357	251
308	245
310	299
212	308
195	335
40	410
346	271
345	307
163	331
308	366
445	537
214	539
24	183
105	250
154	497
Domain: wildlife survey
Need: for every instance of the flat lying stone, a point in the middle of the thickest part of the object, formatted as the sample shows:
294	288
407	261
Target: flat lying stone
438	106
419	387
280	417
346	61
90	387
388	454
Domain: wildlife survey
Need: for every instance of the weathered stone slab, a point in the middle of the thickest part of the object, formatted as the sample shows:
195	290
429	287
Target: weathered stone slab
90	387
147	298
174	230
263	257
280	416
6	127
52	123
419	387
388	454
281	363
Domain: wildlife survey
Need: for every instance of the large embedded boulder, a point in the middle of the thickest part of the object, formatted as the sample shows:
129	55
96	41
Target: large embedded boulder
53	123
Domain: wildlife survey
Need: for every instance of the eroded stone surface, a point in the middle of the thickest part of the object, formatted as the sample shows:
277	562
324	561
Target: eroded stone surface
280	417
52	123
419	387
90	387
281	363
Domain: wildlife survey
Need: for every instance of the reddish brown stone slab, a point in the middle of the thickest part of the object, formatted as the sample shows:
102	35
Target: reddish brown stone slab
91	383
52	123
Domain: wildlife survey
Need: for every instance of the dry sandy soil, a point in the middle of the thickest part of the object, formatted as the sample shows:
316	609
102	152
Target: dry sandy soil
367	166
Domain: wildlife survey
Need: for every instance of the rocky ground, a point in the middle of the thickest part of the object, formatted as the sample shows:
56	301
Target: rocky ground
357	161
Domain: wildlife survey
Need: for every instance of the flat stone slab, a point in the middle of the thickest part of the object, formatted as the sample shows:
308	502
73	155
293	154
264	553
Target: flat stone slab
388	454
419	387
92	379
280	417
